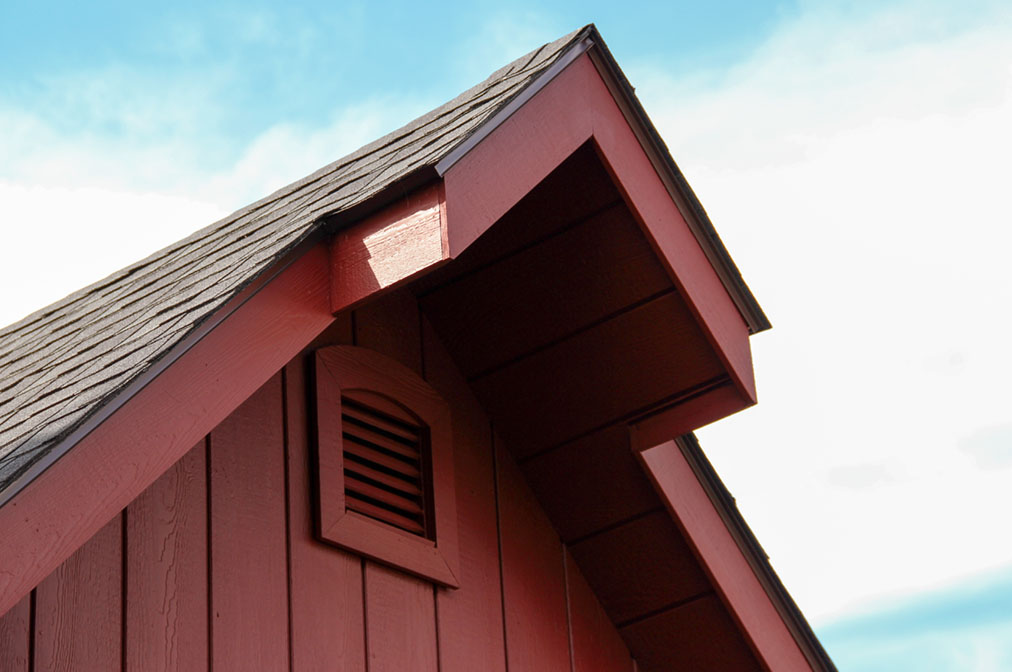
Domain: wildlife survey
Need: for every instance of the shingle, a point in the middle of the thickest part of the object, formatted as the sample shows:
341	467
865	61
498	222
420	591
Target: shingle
60	365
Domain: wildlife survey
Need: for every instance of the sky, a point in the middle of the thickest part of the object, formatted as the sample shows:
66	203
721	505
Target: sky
854	157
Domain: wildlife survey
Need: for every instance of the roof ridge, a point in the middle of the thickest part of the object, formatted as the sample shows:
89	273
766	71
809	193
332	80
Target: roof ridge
62	363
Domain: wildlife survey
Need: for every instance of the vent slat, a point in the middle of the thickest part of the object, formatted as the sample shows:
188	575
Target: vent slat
409	487
405	505
383	463
380	420
356	448
381	439
368	509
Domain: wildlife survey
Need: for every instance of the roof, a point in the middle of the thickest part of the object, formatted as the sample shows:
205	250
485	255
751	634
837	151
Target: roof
61	366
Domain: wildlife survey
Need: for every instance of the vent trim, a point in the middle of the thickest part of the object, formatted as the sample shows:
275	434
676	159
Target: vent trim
384	477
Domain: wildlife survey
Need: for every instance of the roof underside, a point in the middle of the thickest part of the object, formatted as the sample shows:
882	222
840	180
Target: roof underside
61	366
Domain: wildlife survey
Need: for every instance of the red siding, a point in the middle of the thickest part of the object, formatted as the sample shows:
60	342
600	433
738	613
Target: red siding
15	628
78	617
249	589
166	547
215	566
325	583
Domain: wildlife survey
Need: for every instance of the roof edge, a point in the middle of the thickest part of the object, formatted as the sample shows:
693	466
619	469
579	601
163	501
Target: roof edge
757	558
683	195
588	40
142	380
581	43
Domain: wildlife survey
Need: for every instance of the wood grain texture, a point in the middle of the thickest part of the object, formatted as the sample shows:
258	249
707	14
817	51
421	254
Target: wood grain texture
401	621
15	632
730	573
389	247
547	291
78	608
167	590
597	646
67	504
469	619
666	571
592	483
325	584
534	588
249	586
698	636
598	376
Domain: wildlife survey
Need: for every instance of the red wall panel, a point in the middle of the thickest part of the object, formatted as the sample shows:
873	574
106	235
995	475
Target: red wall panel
249	564
78	622
166	582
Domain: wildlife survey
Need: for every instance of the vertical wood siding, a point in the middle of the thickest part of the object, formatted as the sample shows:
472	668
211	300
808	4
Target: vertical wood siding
166	581
215	567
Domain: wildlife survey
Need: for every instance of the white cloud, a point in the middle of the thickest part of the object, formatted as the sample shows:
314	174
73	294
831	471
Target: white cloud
89	204
857	167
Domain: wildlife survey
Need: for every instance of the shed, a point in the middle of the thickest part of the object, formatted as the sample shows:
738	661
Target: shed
428	408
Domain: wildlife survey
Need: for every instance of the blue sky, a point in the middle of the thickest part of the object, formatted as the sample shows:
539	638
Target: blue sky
853	156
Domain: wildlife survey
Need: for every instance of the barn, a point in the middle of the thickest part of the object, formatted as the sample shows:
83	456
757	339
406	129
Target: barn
429	408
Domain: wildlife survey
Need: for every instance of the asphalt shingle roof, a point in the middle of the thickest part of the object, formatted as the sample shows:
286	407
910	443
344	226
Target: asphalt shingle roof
61	365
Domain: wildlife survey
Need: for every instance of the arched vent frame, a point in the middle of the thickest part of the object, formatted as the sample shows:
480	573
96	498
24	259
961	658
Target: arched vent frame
398	393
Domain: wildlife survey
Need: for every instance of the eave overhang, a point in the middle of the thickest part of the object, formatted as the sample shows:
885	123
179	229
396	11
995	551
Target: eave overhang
427	231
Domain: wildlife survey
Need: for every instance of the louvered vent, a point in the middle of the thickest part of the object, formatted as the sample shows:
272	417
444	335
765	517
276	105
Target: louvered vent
385	464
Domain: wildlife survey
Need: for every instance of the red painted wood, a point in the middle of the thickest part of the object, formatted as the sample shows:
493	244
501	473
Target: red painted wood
15	631
687	416
546	292
597	646
598	376
469	619
591	483
697	636
587	188
355	368
167	591
389	247
401	621
325	589
400	609
78	608
516	156
534	584
122	457
728	568
390	325
666	571
575	107
249	585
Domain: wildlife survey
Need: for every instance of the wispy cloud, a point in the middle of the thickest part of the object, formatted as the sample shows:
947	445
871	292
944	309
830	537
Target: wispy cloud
965	626
144	164
857	167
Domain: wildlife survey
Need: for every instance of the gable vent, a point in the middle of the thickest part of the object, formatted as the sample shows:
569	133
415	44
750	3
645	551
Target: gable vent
385	463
